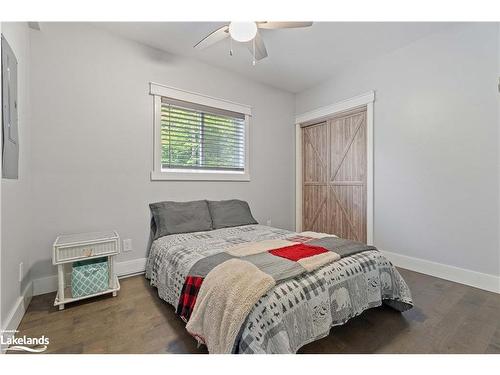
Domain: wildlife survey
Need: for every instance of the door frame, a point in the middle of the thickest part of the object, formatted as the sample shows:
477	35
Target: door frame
317	115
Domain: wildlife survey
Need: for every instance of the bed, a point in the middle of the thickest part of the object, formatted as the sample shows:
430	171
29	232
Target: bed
292	312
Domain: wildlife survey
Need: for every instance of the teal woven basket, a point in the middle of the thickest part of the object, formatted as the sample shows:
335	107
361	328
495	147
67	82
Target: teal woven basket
89	277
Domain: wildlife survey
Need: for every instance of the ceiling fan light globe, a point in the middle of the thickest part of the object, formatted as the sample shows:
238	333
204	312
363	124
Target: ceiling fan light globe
242	31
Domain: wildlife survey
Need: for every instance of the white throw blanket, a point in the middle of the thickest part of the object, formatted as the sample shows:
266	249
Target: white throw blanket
317	261
251	248
316	234
225	299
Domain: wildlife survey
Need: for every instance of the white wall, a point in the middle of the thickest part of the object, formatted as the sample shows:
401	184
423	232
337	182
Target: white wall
16	194
92	138
436	145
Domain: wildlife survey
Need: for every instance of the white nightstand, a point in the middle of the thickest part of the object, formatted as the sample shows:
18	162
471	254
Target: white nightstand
76	247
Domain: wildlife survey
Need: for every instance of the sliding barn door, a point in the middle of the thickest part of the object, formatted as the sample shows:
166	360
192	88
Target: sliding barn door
334	176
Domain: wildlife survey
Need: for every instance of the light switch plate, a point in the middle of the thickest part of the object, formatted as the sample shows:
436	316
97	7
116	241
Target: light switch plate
127	245
21	271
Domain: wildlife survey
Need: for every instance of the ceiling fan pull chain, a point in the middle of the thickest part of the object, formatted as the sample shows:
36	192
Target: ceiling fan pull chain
253	42
230	46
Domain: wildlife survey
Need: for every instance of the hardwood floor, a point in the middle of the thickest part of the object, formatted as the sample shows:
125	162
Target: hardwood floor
447	318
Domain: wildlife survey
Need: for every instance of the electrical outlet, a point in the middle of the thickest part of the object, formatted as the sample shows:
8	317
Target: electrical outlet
21	271
127	245
269	222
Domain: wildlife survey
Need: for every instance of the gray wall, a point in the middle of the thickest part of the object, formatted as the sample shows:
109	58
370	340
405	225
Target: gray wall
86	155
436	145
16	194
92	148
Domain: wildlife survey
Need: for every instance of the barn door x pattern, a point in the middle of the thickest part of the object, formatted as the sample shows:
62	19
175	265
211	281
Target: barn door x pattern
334	176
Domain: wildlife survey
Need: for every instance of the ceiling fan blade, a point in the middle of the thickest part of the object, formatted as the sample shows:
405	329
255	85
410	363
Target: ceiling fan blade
216	36
282	25
260	47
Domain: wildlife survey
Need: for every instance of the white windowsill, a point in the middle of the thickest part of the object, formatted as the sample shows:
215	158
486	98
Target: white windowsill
199	176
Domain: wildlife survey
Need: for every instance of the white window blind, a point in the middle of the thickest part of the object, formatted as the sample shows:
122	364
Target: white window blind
197	137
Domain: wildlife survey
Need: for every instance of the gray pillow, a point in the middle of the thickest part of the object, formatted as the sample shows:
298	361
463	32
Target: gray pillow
179	217
230	213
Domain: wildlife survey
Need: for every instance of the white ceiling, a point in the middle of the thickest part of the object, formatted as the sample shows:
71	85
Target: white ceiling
298	58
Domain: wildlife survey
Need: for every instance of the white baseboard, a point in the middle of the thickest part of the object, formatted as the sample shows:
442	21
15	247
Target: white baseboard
16	314
44	285
133	267
479	280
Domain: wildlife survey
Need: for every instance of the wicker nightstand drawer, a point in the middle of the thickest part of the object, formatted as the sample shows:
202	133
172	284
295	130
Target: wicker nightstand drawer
69	248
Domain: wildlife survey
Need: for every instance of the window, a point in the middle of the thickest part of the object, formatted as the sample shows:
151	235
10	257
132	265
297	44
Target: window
199	137
196	137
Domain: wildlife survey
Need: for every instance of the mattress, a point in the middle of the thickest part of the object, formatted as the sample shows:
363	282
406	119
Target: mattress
296	311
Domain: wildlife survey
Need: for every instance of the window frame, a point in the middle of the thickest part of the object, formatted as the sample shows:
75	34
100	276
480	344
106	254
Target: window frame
158	174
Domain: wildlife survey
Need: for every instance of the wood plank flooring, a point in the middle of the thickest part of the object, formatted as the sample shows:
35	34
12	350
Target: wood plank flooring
447	318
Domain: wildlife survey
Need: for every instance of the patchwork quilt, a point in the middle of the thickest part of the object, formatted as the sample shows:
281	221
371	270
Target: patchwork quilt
306	287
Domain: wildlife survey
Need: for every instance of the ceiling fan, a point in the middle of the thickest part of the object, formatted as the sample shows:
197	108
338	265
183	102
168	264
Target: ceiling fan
247	32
